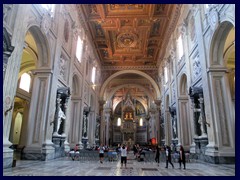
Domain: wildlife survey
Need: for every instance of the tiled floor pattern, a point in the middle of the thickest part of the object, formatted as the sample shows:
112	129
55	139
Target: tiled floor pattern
67	167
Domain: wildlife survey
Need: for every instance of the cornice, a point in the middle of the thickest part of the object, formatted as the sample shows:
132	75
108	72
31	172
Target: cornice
108	68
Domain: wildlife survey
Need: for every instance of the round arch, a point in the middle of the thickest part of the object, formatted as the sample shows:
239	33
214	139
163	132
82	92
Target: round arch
42	46
222	44
154	84
124	85
140	100
34	56
217	44
183	85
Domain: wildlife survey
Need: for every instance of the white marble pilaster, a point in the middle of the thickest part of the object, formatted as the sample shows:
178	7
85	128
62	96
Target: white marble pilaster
38	113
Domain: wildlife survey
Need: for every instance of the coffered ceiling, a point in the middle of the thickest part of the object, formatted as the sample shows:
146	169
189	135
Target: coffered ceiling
129	38
132	35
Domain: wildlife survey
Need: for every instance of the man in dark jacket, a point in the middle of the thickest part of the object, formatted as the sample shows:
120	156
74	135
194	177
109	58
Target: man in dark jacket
182	158
168	157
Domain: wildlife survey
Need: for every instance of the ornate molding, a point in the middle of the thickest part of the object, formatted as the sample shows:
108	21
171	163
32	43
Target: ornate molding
127	40
172	26
213	18
183	27
46	23
107	68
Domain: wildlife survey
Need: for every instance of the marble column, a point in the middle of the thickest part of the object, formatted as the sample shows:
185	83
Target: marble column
7	49
153	122
107	119
167	127
158	119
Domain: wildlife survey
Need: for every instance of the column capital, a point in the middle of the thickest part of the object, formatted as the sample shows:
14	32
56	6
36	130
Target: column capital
42	71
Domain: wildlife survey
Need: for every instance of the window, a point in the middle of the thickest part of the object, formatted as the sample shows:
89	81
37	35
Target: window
119	122
180	47
79	49
93	74
25	82
141	122
166	74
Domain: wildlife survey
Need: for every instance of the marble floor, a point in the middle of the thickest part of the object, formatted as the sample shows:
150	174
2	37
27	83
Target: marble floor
67	167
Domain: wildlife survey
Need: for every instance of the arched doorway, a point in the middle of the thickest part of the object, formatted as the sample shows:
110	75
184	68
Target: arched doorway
74	125
23	96
184	115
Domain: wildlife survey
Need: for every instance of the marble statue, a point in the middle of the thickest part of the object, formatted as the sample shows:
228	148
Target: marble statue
61	116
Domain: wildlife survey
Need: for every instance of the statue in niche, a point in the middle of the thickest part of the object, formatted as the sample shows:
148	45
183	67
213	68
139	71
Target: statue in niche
126	116
200	123
172	111
130	115
63	94
197	119
196	95
61	117
174	128
84	126
97	131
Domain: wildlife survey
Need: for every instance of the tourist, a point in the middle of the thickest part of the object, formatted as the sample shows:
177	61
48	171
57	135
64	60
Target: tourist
123	156
101	153
157	156
168	157
182	158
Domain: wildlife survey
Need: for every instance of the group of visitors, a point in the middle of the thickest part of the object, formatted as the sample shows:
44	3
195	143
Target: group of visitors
74	153
138	153
121	149
181	159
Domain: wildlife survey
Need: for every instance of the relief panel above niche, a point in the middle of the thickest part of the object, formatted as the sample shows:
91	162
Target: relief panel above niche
63	67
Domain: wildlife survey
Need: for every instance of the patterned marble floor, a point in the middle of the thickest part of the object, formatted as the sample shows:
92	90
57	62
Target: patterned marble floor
67	167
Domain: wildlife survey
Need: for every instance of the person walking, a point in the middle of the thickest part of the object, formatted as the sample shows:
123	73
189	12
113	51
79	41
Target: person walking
123	156
182	158
168	157
157	155
118	150
101	153
135	150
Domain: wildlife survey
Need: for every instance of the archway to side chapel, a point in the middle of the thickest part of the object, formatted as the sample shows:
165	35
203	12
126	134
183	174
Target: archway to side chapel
222	77
34	56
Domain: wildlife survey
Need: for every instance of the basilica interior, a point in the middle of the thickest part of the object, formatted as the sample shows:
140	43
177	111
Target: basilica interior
92	74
